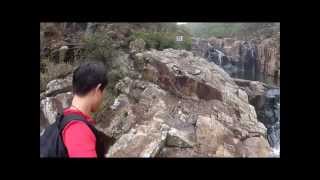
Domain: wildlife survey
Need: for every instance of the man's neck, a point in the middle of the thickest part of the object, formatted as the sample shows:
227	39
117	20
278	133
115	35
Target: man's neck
81	103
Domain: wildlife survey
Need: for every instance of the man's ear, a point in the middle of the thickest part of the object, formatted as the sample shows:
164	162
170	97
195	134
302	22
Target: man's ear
98	87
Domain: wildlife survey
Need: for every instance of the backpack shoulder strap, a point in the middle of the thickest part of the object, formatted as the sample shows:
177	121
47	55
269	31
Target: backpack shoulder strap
70	117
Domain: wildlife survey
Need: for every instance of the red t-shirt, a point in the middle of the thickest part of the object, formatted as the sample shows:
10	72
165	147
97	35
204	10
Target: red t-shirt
78	138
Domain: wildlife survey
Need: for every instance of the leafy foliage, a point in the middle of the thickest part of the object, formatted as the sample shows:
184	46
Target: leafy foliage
163	40
99	46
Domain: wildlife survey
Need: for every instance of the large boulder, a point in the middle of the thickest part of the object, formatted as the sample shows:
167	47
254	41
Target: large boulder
57	86
56	97
51	106
182	106
206	113
173	72
138	102
143	141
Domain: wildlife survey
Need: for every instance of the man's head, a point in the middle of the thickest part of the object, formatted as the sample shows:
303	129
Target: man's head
89	81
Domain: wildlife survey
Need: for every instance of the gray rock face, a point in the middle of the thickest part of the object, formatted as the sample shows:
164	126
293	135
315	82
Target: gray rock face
56	97
57	86
181	106
204	114
51	106
242	59
142	141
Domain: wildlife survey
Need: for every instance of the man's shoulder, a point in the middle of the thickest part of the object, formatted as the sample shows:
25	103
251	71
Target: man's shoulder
78	128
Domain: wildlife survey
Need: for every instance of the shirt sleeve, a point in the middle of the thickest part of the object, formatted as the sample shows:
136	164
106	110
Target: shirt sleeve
79	140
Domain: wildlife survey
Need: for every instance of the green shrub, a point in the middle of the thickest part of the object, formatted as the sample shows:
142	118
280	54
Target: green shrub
99	46
162	40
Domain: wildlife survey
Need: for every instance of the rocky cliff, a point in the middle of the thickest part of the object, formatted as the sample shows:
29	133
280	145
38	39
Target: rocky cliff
251	60
179	106
266	100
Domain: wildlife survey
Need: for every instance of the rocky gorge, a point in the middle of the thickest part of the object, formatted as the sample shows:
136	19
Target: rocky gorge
212	101
251	60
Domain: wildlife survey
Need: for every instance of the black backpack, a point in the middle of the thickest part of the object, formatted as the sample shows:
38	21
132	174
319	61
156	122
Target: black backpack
51	142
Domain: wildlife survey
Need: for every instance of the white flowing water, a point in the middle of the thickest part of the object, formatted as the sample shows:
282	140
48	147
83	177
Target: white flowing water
220	55
276	151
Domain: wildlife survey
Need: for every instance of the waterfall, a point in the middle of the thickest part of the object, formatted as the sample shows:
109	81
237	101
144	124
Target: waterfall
273	119
251	48
91	28
214	53
276	151
220	55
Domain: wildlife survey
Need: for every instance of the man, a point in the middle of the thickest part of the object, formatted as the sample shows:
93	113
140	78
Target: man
89	81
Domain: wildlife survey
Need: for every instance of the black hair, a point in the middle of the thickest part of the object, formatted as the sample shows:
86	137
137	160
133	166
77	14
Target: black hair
87	76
